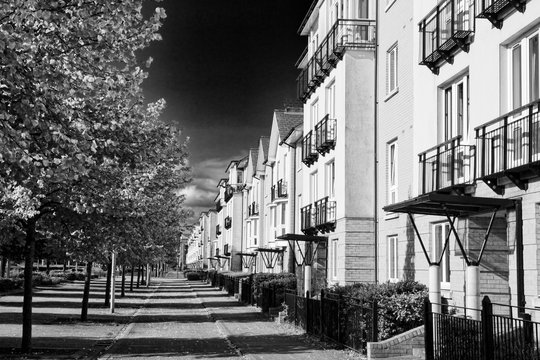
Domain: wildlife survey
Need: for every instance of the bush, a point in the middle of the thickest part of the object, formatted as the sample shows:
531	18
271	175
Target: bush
194	275
281	282
10	284
400	305
75	276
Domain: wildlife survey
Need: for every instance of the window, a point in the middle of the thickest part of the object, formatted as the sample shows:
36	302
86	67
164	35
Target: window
334	258
314	113
440	232
255	225
313	185
363	9
393	273
330	179
331	100
391	70
524	71
392	172
455	117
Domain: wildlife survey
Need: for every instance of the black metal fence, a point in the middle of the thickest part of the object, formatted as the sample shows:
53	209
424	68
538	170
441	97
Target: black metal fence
498	335
345	320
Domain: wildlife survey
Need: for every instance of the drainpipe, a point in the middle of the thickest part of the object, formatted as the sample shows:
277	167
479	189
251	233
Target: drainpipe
375	153
519	258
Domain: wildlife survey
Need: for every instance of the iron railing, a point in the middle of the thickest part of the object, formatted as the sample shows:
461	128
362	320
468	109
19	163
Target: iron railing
325	215
218	230
228	222
273	192
446	165
447	28
281	188
253	209
344	35
229	192
307	223
345	320
495	10
498	335
219	206
226	251
325	135
510	141
309	152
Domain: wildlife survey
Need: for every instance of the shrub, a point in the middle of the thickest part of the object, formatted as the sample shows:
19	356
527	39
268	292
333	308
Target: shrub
75	276
10	284
281	282
400	305
194	275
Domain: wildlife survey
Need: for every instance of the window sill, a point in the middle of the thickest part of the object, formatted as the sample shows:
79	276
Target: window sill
390	216
391	95
389	5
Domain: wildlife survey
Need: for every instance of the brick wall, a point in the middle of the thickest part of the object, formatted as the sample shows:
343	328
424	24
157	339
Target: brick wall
408	343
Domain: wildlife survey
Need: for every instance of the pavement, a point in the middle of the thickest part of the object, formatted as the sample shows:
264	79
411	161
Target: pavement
172	319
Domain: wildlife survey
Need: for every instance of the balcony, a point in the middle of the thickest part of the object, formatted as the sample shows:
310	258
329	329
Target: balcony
344	35
217	251
307	223
229	192
226	250
282	189
228	222
219	206
509	148
448	167
447	29
253	209
325	135
218	230
325	215
496	10
309	153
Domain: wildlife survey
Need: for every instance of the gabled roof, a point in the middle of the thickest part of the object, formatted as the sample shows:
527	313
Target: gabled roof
253	155
222	182
242	163
287	121
265	142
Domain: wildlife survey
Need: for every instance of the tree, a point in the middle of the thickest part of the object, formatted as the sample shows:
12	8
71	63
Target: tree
71	105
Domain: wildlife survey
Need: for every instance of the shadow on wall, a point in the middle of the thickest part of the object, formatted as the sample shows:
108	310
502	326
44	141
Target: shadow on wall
408	265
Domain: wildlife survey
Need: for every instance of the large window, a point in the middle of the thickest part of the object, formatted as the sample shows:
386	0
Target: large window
313	186
524	71
392	70
393	272
330	181
314	113
455	119
392	172
331	100
440	232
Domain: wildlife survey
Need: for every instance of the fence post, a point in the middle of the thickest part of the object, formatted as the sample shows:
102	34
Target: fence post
339	318
428	329
374	321
487	329
321	315
309	318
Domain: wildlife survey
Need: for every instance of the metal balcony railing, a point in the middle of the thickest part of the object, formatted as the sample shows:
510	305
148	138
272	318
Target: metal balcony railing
253	209
496	10
219	206
307	223
446	166
282	188
447	29
218	230
345	34
325	215
229	192
226	250
228	222
309	152
273	192
325	135
510	144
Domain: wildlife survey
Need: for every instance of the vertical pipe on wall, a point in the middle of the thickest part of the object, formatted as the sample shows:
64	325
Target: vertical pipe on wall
375	153
519	257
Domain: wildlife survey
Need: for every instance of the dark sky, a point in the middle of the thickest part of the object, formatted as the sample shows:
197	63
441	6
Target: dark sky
223	67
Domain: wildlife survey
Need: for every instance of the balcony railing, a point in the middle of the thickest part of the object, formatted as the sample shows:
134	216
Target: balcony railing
217	251
228	222
218	230
510	146
307	223
309	152
325	135
496	10
325	215
273	192
253	209
219	206
446	30
229	192
282	188
345	34
447	166
226	250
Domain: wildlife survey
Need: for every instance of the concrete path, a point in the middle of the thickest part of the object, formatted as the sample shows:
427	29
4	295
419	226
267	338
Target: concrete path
191	320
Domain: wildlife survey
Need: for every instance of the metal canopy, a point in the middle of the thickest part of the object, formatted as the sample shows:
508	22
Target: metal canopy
248	259
451	205
271	256
310	250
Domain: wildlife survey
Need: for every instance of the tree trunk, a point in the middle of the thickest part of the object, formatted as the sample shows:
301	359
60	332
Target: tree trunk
64	267
131	282
123	290
138	275
86	293
108	285
48	269
3	267
29	248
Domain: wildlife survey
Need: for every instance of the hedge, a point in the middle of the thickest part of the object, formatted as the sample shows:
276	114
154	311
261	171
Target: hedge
281	282
400	304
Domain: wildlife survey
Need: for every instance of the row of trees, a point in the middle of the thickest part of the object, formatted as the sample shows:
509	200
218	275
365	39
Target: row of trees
86	166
